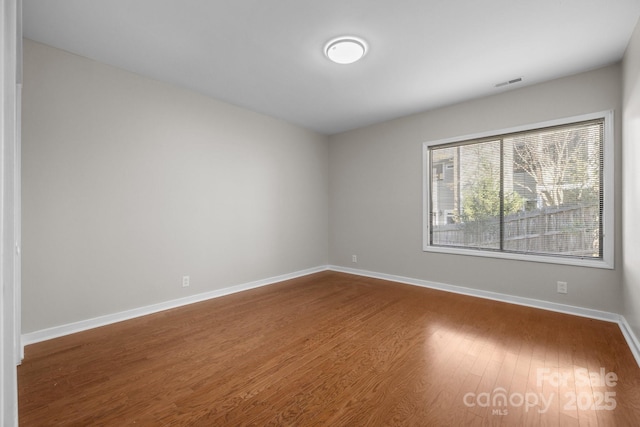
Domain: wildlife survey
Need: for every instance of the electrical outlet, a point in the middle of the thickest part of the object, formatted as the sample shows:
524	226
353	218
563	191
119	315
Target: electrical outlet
562	287
354	258
185	281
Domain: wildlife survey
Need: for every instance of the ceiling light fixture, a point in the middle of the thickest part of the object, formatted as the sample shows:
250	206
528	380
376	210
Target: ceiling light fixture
345	50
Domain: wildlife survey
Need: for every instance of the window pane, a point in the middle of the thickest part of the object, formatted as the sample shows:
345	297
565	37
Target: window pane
465	195
556	172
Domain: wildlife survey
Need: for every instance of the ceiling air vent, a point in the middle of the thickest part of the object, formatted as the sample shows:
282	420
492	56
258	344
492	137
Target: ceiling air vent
510	82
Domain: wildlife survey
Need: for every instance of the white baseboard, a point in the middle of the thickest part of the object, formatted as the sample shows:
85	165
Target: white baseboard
83	325
632	339
58	331
627	332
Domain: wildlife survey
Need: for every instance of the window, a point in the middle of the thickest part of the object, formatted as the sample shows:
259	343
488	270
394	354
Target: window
540	193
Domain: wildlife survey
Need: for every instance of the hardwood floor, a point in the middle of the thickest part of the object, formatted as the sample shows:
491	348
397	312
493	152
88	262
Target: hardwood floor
333	349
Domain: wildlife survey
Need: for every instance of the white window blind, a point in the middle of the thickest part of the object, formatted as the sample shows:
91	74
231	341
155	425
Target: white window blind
534	192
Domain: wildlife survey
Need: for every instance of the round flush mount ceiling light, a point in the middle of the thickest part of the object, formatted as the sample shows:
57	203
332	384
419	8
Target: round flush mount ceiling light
345	50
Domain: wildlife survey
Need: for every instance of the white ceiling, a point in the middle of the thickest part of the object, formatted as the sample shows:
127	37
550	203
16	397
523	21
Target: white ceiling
267	55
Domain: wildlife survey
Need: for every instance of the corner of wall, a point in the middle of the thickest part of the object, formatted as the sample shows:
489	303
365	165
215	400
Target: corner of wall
631	183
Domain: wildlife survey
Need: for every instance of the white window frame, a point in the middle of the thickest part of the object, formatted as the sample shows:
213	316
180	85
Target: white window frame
608	176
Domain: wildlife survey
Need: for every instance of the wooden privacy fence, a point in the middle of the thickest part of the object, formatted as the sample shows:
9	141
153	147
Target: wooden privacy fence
572	230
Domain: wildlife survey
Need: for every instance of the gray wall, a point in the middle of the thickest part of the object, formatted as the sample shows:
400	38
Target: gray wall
129	184
631	186
375	188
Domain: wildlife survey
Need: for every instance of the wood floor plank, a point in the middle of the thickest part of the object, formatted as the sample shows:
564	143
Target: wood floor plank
333	349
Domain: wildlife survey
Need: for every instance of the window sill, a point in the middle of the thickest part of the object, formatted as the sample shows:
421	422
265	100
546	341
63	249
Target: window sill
579	262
